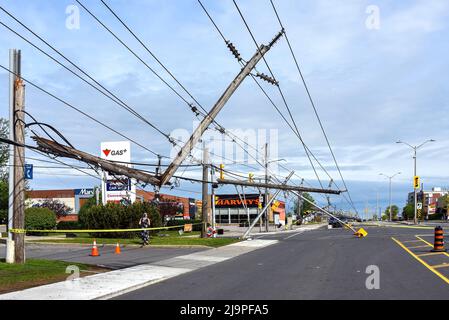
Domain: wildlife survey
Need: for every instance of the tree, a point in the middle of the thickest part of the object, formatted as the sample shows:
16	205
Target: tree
306	206
169	208
445	203
394	212
58	207
408	212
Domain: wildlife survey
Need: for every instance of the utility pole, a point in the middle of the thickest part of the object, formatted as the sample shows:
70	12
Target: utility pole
266	189
205	198
213	186
16	246
13	66
415	149
210	117
390	178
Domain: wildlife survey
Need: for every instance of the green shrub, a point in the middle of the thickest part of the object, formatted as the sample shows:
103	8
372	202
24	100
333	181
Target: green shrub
3	216
39	219
196	227
68	225
117	216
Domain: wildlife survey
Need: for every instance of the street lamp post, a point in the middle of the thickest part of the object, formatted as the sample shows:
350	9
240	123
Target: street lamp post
390	178
267	178
415	149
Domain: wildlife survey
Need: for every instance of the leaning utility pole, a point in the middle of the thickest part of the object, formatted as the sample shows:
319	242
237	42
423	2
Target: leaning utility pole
210	117
16	241
205	198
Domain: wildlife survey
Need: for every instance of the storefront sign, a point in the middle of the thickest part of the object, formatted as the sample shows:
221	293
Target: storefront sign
116	187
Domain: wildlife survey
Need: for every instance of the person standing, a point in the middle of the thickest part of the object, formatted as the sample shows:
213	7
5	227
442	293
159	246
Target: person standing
145	222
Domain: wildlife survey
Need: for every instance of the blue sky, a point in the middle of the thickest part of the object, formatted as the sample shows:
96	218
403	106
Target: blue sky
371	87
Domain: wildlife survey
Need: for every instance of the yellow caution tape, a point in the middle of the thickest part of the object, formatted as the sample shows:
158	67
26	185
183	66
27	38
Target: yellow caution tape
97	230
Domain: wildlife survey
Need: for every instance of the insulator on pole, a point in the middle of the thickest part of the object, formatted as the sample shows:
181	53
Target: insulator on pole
267	79
233	50
194	109
277	37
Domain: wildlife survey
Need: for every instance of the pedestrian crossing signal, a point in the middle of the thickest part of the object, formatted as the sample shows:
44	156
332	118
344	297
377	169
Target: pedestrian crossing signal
416	182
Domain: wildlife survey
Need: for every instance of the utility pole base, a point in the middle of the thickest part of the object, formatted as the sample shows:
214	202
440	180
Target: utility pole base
10	249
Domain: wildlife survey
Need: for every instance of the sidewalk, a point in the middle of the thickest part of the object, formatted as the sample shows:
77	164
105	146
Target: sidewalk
114	283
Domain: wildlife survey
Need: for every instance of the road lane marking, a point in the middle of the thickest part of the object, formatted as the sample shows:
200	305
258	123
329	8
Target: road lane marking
409	241
444	265
417	247
429	254
421	260
431	245
294	235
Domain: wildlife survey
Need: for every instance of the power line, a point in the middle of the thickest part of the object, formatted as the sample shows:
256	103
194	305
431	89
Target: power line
272	102
109	94
280	92
289	110
311	101
79	110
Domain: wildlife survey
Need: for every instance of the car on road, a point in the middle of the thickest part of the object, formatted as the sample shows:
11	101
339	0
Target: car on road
335	223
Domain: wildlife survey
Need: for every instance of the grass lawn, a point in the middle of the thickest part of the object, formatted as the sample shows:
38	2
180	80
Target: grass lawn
36	272
169	238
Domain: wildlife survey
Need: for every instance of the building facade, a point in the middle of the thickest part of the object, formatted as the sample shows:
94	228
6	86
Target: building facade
429	200
238	209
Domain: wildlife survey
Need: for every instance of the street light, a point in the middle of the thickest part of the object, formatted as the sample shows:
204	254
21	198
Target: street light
390	178
415	148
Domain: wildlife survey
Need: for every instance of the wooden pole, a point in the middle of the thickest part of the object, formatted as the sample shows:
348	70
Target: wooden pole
19	177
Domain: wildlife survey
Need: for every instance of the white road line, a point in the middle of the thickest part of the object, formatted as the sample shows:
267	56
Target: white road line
293	235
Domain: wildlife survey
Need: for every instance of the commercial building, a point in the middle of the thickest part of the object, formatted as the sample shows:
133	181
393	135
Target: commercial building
429	200
74	199
235	209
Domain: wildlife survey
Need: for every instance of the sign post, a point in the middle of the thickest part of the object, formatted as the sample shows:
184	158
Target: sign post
118	188
28	171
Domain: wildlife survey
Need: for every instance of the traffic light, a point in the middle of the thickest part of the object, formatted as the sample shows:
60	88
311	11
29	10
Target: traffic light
416	182
221	171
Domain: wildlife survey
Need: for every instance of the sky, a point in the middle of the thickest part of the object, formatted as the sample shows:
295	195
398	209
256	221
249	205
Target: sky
377	72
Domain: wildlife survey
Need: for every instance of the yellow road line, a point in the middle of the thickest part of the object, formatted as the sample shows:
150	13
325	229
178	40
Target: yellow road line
431	245
421	260
430	254
426	242
409	241
444	265
417	247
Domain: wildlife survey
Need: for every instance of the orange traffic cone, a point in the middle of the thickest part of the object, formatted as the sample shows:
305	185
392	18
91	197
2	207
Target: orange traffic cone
117	249
94	252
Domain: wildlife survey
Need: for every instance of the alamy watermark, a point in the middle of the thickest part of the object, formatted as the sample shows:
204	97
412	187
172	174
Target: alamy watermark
72	21
372	22
237	146
372	282
72	281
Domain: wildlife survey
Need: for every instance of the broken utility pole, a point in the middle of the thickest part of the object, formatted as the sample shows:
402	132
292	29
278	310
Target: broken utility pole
49	146
277	186
210	117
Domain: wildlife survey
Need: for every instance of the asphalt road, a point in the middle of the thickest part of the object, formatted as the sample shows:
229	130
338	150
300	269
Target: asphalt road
322	264
130	256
